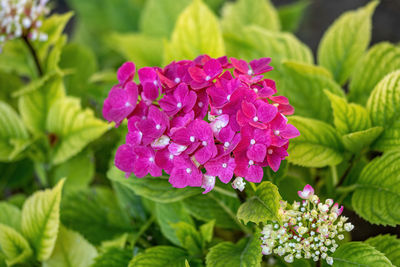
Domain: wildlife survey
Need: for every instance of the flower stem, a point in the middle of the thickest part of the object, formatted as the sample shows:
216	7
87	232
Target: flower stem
34	55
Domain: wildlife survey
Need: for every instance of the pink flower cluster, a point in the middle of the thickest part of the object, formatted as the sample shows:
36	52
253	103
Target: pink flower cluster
200	119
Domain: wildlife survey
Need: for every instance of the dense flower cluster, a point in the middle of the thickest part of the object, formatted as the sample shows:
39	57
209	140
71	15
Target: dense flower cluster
22	18
201	119
308	230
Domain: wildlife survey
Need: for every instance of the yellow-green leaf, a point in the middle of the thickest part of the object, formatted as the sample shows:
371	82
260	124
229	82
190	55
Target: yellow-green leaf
10	215
160	256
388	245
14	246
41	219
356	141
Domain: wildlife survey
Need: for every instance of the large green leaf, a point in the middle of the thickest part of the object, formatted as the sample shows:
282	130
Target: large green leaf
348	117
13	134
188	237
345	41
216	206
261	207
159	16
167	215
243	13
73	128
142	49
15	58
292	14
101	211
380	60
71	250
113	257
384	108
304	85
10	215
160	256
359	254
388	245
14	246
41	219
196	32
377	197
156	189
318	145
9	83
245	253
356	141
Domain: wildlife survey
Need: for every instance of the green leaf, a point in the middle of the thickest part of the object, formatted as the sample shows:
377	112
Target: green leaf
167	215
16	58
78	171
160	256
113	257
359	254
54	56
142	49
304	85
156	189
158	16
348	117
291	15
243	13
101	211
129	202
356	141
216	206
261	207
388	245
73	127
192	34
384	108
13	134
245	253
318	145
380	60
41	219
34	105
9	83
207	230
377	197
14	246
10	215
346	40
71	250
189	237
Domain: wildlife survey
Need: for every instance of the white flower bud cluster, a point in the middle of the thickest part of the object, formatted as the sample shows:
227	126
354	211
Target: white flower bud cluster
22	18
309	230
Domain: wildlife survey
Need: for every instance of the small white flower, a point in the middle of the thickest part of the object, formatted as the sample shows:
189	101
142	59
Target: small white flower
238	184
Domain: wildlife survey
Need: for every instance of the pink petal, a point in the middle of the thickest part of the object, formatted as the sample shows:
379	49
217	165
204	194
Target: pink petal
260	66
266	112
126	72
125	158
257	152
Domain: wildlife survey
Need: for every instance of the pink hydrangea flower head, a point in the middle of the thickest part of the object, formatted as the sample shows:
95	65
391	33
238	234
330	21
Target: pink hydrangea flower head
307	192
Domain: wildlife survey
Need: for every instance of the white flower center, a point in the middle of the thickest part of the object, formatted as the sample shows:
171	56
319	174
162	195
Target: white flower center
276	104
226	144
188	170
151	159
219	111
177	80
228	97
158	126
251	162
179	105
204	143
208	78
171	156
200	104
252	141
127	104
224	165
250	72
277	132
256	90
270	151
255	119
155	82
192	139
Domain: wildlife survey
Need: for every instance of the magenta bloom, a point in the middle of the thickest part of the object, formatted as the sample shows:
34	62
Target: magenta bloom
307	192
202	119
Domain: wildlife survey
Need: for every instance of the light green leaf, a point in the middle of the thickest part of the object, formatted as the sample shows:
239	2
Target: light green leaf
101	211
359	254
14	246
243	13
13	134
384	108
380	60
261	207
196	32
35	102
377	197
245	253
10	215
158	16
54	56
41	219
142	49
167	215
73	127
207	230
348	117
216	206
113	257
189	237
71	250
78	171
15	58
318	145
356	141
388	245
9	83
156	189
160	256
304	85
346	40
291	15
